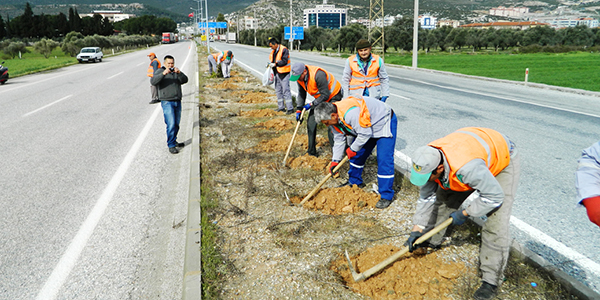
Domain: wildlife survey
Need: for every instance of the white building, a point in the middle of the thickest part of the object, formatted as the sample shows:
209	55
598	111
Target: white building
572	22
112	15
451	23
427	22
250	23
513	12
326	16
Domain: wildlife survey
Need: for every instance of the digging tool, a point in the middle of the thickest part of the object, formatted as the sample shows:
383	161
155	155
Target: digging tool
358	277
314	191
293	137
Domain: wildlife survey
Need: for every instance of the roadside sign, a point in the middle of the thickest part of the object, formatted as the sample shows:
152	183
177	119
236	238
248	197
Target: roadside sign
297	32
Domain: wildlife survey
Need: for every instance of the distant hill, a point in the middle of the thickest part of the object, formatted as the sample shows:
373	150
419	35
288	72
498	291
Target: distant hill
270	12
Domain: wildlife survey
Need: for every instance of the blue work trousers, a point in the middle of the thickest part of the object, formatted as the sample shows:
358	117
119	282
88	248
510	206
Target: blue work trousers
385	162
172	114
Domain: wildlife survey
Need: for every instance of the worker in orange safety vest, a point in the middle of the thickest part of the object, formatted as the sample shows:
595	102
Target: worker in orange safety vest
279	60
154	65
482	165
365	75
323	86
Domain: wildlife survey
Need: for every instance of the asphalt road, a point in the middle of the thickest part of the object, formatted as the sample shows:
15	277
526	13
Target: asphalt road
91	202
549	127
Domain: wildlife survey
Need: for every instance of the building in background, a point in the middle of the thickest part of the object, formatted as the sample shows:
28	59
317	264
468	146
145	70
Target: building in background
112	15
572	22
451	23
511	12
505	25
250	23
427	22
326	16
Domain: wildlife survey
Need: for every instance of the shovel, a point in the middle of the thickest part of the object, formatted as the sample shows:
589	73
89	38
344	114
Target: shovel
314	191
358	277
293	137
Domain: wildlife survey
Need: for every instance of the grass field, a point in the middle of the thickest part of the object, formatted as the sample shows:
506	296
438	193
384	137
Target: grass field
34	62
579	70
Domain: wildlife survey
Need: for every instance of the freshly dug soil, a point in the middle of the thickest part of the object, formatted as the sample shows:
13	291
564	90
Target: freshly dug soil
260	113
282	142
413	276
309	161
226	85
344	200
257	97
277	124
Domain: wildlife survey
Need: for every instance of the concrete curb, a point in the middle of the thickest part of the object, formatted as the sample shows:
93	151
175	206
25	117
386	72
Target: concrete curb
402	164
192	271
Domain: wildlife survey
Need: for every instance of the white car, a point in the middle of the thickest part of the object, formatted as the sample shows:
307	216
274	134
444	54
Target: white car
93	54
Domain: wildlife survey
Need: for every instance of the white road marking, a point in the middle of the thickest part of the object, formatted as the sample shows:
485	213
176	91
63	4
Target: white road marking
497	96
115	75
46	106
68	260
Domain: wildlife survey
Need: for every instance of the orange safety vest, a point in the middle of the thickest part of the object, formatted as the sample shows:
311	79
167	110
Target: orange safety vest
285	69
311	86
347	104
216	56
151	69
466	144
358	79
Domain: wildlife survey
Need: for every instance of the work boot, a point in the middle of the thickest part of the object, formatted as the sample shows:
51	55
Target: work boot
279	109
289	112
180	145
173	150
383	203
486	292
362	185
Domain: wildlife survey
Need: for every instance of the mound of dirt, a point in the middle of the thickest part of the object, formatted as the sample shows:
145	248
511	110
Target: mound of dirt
226	85
337	201
282	142
261	113
278	124
413	276
256	97
308	161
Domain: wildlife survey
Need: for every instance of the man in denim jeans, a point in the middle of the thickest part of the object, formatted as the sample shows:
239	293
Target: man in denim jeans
168	79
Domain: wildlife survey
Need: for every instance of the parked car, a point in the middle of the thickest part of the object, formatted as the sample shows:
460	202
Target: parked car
93	54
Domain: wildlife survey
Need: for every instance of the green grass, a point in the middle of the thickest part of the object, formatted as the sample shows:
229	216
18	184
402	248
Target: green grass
579	70
34	62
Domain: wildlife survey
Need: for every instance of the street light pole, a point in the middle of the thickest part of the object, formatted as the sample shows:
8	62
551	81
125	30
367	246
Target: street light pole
415	35
207	39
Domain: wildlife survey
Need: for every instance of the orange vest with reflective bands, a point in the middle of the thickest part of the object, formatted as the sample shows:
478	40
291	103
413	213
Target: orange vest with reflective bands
466	144
311	85
347	104
216	56
288	67
151	69
359	80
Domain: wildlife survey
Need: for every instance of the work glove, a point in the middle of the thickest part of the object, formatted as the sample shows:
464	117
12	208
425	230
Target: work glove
270	65
411	240
458	218
332	166
308	106
384	98
350	153
298	115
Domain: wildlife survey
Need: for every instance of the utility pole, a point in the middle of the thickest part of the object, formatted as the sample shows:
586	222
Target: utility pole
415	35
255	25
207	29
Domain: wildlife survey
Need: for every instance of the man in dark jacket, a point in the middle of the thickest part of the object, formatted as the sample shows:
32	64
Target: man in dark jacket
169	79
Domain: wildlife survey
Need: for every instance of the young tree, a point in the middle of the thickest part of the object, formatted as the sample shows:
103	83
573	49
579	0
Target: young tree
45	47
14	48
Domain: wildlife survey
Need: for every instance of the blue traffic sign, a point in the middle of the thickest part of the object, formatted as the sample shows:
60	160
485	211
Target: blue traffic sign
297	32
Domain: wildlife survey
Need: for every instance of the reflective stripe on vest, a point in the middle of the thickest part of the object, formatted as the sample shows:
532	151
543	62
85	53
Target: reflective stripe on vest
347	104
360	80
151	69
466	144
311	85
288	67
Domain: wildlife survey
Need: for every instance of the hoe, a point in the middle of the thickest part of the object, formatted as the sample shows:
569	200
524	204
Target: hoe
358	277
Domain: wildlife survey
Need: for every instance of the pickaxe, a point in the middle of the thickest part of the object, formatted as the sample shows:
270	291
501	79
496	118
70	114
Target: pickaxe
358	277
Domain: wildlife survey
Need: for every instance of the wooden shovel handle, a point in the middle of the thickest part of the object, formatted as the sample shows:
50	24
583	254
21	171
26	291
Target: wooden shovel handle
368	273
293	137
314	191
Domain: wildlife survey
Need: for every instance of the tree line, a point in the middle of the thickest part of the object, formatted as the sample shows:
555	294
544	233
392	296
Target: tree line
399	36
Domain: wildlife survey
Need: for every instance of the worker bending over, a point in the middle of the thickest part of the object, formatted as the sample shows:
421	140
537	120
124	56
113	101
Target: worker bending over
471	160
361	123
